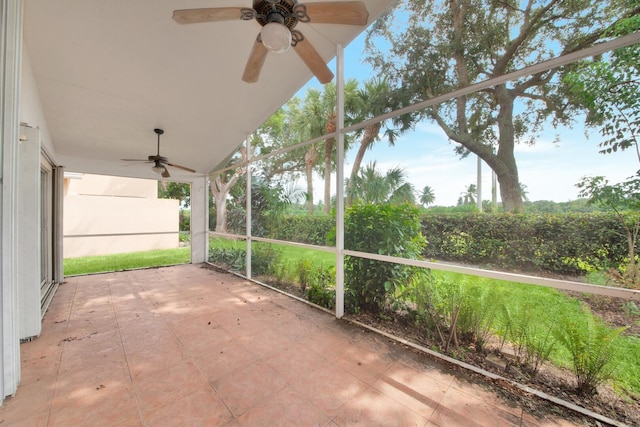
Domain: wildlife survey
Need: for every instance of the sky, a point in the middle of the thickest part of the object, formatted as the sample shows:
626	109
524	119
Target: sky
549	170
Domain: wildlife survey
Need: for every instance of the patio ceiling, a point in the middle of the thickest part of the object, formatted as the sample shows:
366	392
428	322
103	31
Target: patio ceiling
108	73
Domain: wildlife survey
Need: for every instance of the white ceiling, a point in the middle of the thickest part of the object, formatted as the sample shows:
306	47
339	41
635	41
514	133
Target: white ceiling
109	72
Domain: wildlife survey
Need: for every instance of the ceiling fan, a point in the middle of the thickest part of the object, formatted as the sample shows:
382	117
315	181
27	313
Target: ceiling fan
160	163
278	19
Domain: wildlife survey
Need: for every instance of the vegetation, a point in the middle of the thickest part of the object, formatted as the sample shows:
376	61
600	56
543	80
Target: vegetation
553	243
574	244
126	261
371	186
609	87
430	48
175	190
624	200
384	230
591	345
373	100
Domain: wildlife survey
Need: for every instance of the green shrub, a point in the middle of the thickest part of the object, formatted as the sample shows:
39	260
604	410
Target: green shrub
184	218
264	259
312	230
303	273
560	243
385	230
278	274
184	237
574	243
438	302
591	345
322	286
228	257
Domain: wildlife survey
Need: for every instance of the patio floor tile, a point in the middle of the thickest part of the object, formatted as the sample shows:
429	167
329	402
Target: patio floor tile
185	345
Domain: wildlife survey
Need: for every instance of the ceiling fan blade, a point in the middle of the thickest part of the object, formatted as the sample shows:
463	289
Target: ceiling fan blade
346	12
165	173
212	14
314	61
135	160
256	61
184	168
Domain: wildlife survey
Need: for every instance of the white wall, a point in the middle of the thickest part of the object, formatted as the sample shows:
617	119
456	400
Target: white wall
102	185
31	112
106	215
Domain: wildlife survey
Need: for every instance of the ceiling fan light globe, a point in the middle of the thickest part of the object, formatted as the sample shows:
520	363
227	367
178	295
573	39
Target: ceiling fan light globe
158	169
276	37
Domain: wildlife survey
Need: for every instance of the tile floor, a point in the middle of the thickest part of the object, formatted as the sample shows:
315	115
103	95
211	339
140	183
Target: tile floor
187	346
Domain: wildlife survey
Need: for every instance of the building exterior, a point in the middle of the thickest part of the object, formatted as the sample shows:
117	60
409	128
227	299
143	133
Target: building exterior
106	215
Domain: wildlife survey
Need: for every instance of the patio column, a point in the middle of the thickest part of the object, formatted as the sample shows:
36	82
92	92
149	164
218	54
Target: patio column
10	69
58	214
248	208
199	220
340	182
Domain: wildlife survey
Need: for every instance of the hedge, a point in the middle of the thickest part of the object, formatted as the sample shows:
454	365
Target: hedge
559	243
313	230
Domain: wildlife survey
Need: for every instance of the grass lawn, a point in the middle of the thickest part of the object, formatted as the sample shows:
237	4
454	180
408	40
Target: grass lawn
290	254
127	261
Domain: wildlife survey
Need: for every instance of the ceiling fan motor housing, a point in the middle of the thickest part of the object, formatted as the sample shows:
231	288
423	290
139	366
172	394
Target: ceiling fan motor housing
276	11
158	158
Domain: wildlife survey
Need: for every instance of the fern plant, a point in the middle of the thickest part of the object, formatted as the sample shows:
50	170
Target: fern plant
529	328
592	345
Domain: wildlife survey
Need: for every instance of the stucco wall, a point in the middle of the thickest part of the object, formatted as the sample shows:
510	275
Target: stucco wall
101	185
99	224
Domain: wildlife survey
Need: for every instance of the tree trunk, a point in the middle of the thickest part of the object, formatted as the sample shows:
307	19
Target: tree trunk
221	212
369	136
506	168
220	191
328	154
310	159
632	270
330	127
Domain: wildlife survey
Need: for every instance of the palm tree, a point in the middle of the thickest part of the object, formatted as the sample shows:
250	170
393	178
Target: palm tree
328	104
525	193
320	118
375	99
314	119
427	197
372	187
468	197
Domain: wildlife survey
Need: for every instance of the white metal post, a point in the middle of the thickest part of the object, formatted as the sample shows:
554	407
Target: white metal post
248	208
340	182
199	192
479	185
